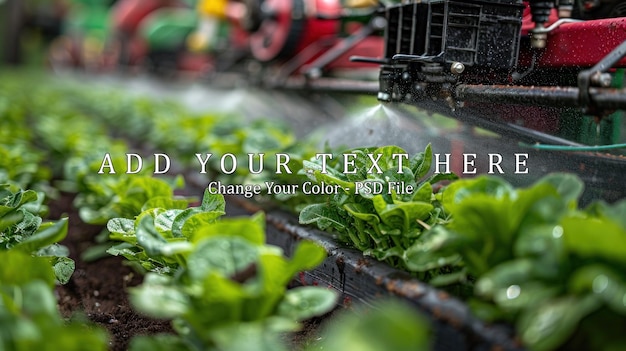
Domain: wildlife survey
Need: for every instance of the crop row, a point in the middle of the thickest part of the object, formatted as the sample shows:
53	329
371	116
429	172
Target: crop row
214	277
528	256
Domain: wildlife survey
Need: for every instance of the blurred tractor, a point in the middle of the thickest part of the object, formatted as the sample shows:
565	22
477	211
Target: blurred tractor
174	35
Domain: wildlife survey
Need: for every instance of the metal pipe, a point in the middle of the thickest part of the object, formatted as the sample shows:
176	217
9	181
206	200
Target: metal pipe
606	98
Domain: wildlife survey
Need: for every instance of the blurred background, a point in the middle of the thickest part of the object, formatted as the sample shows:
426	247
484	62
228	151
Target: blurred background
125	44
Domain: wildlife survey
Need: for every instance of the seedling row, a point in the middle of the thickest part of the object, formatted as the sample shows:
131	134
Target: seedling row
530	258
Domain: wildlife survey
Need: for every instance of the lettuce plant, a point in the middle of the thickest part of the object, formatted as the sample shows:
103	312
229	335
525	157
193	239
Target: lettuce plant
385	325
554	270
29	318
383	207
215	277
21	228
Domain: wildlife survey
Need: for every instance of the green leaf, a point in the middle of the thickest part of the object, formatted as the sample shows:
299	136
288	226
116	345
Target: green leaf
595	238
421	162
423	193
11	218
63	268
164	221
197	221
314	172
568	186
547	325
19	268
388	325
158	342
321	215
387	160
615	212
439	177
45	237
307	255
249	228
401	215
226	256
148	237
166	202
122	226
159	298
603	281
213	202
255	336
305	302
154	243
10	201
494	187
360	211
181	218
489	215
382	254
437	247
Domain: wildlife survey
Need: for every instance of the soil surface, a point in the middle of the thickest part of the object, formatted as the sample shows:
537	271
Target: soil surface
99	289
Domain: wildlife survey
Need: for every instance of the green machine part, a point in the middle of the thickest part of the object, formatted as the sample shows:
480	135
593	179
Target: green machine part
361	11
615	130
88	18
590	130
168	28
356	11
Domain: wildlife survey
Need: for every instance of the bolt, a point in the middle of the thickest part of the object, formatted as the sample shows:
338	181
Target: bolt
538	40
379	23
457	68
602	79
314	73
565	11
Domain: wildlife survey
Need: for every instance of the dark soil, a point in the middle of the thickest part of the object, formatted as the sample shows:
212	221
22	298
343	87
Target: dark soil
99	289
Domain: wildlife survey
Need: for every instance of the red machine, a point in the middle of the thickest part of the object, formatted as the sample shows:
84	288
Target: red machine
537	71
513	51
544	55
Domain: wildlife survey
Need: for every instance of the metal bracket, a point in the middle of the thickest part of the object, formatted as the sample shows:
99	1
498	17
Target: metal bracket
597	75
420	58
315	68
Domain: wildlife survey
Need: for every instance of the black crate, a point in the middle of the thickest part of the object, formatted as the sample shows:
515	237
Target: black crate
475	33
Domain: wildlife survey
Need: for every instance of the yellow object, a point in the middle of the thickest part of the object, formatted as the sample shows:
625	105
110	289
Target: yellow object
205	36
213	8
196	42
360	3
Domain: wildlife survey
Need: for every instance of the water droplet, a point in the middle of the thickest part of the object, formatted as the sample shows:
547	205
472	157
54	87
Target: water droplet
600	283
557	232
513	291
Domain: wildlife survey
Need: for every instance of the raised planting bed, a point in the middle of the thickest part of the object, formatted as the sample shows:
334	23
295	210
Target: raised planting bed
363	280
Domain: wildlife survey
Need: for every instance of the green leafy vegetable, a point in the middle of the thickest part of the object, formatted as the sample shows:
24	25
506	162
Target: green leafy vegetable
21	228
386	205
29	318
